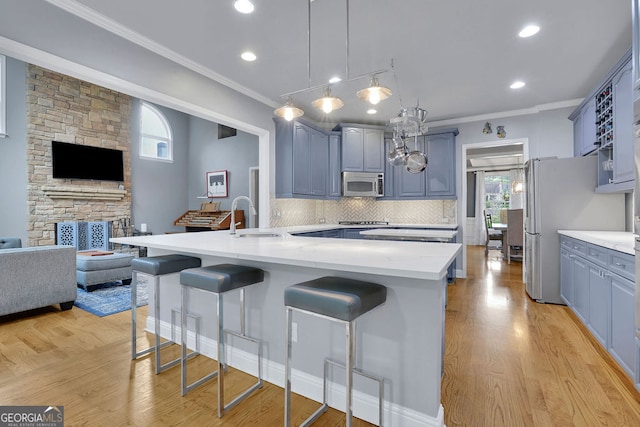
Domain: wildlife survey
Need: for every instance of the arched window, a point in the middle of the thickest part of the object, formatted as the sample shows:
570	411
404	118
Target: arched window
156	141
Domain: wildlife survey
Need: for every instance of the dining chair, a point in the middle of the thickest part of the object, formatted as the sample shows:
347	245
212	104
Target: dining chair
515	232
490	233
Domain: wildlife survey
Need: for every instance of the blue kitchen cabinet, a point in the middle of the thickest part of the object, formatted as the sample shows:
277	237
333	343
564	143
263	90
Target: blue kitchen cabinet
622	322
362	149
335	166
584	129
302	160
400	183
598	284
438	181
623	161
441	169
581	289
566	276
599	304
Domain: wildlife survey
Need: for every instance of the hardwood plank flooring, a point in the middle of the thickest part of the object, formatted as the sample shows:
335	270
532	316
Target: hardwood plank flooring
509	362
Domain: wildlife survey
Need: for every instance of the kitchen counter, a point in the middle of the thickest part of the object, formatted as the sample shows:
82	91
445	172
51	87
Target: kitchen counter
402	340
622	241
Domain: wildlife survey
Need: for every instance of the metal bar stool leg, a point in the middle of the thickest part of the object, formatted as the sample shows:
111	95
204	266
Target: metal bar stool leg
350	330
220	358
287	368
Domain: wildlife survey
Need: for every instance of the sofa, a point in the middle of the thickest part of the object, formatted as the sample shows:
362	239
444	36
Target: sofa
36	277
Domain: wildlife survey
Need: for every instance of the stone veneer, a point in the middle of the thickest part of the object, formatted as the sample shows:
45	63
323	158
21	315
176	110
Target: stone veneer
288	212
61	108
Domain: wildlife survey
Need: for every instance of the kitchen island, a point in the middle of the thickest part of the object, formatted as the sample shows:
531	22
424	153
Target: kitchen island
402	340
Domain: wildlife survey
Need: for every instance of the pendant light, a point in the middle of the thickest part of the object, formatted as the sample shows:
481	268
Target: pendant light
374	93
288	111
328	102
517	186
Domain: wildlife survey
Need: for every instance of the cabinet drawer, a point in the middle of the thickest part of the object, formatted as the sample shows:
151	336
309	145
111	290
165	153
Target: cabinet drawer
598	255
622	264
566	242
577	246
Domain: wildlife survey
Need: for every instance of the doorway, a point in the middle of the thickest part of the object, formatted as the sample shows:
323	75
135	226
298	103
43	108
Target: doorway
486	156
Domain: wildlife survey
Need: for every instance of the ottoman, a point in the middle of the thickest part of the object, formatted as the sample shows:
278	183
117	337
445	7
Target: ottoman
95	270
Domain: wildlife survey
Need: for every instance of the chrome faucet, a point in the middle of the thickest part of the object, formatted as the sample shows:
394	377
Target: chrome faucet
234	205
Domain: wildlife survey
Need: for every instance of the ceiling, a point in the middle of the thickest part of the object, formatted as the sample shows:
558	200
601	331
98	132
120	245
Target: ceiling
495	158
455	58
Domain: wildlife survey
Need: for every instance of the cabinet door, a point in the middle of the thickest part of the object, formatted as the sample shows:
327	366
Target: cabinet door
319	162
373	150
623	163
410	184
301	156
566	277
335	167
599	304
635	19
622	322
441	169
577	136
589	127
352	149
581	289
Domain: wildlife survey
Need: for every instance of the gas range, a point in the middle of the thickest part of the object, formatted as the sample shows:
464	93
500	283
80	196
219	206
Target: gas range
363	222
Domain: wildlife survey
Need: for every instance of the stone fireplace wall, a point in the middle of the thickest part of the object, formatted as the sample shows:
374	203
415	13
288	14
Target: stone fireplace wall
61	108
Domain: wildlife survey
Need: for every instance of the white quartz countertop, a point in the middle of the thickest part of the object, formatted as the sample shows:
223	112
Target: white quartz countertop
410	233
622	241
420	260
322	227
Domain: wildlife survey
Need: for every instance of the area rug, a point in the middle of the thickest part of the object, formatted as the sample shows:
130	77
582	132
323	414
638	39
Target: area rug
110	298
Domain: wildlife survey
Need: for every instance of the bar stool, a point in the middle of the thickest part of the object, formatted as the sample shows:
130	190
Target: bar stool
340	300
156	266
219	279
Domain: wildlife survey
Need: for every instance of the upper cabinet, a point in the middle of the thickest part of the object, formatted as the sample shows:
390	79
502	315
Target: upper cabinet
604	123
584	129
438	181
362	148
441	170
302	161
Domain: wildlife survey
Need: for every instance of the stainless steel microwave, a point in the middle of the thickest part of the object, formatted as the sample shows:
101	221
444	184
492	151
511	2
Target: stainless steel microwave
362	184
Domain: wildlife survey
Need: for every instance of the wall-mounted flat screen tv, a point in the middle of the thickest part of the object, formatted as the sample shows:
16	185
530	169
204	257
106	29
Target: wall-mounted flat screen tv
76	161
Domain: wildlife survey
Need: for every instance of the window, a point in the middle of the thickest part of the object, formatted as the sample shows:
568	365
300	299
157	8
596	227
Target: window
3	96
497	194
156	141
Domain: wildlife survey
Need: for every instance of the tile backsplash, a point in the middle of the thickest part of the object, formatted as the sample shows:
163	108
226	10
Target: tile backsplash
289	212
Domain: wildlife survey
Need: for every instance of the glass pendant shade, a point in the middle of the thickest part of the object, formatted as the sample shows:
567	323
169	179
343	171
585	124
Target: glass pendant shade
288	111
328	102
374	93
517	186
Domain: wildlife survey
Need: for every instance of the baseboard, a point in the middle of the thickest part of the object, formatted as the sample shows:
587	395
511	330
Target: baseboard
365	406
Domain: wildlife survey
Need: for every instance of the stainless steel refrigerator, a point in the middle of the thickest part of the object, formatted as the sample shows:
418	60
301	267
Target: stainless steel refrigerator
560	195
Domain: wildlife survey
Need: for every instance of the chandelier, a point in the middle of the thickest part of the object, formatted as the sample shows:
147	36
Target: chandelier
327	103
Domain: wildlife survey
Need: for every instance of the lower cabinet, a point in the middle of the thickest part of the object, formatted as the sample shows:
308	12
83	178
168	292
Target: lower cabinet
593	286
621	345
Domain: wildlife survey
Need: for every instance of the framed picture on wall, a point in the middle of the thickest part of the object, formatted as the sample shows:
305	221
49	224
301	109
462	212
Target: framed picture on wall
217	184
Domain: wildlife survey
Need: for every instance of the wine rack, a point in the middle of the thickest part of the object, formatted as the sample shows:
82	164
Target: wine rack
604	116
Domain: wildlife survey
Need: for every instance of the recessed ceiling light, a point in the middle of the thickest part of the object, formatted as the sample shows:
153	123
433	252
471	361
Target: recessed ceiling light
372	111
335	79
529	31
243	6
248	56
517	85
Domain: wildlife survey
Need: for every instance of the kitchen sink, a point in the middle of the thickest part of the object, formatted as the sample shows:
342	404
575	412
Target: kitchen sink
259	234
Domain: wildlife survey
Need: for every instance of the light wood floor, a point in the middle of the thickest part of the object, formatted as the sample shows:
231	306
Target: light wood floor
509	362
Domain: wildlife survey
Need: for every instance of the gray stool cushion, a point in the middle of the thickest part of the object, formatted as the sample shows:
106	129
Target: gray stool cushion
337	297
164	264
221	278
